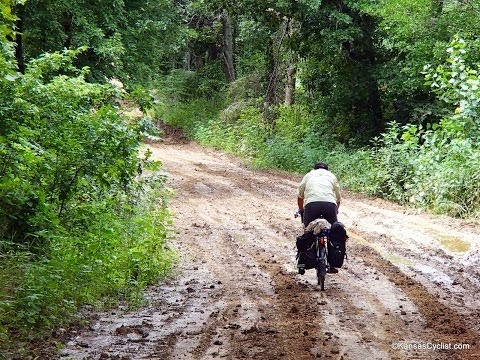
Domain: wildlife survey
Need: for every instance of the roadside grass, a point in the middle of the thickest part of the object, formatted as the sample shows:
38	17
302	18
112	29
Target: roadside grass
83	213
403	165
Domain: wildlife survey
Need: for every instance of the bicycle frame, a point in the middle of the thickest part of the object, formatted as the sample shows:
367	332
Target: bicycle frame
321	262
321	245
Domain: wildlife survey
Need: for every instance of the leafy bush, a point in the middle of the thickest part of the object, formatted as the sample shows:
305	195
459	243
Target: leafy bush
245	135
176	105
394	155
437	168
176	86
283	154
245	88
431	166
78	223
188	116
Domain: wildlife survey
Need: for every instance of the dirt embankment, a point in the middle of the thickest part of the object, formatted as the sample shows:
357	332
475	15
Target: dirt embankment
409	289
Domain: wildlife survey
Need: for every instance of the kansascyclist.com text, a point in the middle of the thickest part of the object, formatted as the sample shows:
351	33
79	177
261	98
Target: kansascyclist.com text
429	346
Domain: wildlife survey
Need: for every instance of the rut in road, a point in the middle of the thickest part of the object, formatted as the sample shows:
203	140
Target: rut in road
237	294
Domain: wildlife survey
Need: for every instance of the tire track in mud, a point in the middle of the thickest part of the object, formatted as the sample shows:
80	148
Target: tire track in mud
444	324
237	294
306	302
252	321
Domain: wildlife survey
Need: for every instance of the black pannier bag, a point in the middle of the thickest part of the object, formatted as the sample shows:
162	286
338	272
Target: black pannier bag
305	241
336	248
307	259
307	253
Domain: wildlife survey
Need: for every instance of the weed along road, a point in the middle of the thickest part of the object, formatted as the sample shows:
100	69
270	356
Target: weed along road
409	289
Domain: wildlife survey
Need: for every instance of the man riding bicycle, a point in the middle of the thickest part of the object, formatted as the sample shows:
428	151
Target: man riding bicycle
319	196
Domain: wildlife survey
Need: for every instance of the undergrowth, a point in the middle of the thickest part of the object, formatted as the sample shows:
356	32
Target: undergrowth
433	167
83	212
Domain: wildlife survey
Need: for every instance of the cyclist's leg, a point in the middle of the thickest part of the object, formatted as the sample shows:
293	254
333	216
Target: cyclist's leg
329	211
312	211
318	209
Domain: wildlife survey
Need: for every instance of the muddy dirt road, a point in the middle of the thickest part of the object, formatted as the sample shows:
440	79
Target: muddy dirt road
409	289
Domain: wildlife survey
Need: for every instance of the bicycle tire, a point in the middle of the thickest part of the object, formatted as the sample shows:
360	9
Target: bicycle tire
321	272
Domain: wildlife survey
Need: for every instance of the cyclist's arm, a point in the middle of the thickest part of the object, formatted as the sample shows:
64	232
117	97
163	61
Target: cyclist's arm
300	203
336	189
301	193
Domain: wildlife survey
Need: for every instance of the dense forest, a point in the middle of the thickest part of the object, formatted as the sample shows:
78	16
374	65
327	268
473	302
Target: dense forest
387	92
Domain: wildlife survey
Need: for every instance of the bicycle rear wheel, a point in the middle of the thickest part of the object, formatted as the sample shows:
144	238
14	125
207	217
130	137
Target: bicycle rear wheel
321	272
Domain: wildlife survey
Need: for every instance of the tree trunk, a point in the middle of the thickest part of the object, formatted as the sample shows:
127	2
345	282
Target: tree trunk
188	60
272	81
19	55
375	104
291	69
277	65
290	87
228	47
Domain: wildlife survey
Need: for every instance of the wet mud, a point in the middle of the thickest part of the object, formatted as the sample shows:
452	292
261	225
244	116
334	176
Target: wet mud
409	289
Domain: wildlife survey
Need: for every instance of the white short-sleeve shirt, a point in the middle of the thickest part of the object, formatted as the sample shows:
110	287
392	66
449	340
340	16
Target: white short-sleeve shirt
319	185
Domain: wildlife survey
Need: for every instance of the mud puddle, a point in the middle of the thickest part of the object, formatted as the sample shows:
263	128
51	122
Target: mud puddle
407	291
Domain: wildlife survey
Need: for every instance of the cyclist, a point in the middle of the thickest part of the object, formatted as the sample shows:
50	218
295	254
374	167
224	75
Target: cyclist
319	196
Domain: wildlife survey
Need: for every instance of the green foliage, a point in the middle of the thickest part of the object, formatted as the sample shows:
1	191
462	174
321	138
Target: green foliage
130	40
53	142
293	122
394	154
296	141
245	89
283	154
207	82
188	116
244	136
175	87
179	102
7	31
433	166
450	151
78	224
436	167
459	85
112	252
252	40
408	35
54	26
154	39
183	86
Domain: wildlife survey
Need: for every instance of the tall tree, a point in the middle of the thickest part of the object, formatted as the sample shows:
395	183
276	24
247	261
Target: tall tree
291	64
215	27
409	35
274	18
154	38
228	47
128	39
335	41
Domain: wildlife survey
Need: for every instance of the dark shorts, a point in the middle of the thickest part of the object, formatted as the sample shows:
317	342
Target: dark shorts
320	209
